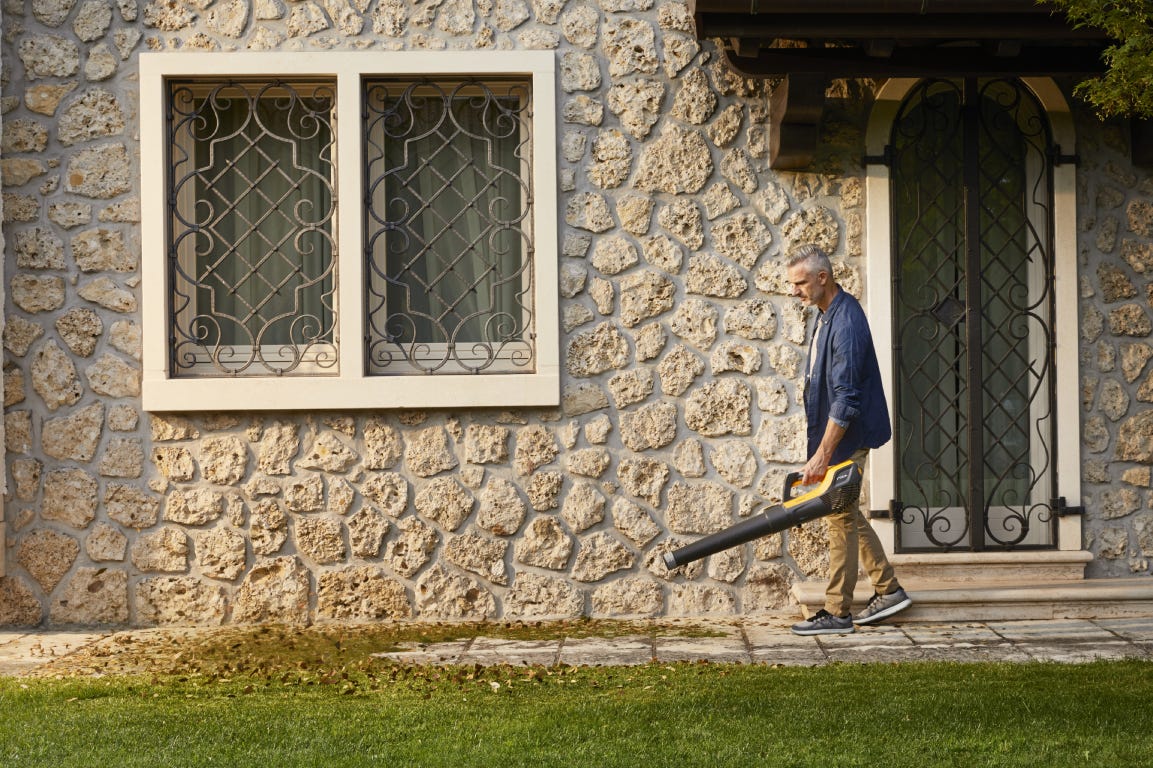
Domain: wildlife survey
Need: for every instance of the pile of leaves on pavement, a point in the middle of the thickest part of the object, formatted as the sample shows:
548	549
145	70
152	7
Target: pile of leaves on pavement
279	652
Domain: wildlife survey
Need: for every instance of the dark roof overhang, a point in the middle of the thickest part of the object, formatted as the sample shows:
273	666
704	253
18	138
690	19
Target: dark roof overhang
806	43
899	38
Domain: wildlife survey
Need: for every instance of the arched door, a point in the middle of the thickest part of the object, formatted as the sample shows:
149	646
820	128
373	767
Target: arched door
973	317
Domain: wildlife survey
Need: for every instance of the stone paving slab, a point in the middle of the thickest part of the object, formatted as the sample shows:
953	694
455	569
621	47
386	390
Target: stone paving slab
951	634
761	636
613	651
434	653
868	637
789	657
865	654
1056	629
720	650
886	644
1077	652
963	643
487	651
776	645
974	653
22	652
1139	629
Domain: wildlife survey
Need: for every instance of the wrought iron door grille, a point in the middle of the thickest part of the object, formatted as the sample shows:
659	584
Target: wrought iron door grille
250	228
972	222
448	240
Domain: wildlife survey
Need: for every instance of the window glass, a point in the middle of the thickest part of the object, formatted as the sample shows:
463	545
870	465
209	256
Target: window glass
252	218
448	243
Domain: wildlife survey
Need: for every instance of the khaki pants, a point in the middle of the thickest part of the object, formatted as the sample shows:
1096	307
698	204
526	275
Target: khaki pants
852	543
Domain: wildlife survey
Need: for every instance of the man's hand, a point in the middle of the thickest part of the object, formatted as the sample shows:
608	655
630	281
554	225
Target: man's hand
814	470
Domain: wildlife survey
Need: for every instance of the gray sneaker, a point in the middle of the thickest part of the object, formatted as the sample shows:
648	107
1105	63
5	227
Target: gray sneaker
883	606
824	623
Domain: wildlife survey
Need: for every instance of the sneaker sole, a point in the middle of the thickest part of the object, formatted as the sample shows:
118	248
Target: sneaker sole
828	631
886	613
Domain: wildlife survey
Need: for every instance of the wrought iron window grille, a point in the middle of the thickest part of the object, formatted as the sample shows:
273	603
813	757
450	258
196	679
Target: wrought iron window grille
250	211
448	227
448	215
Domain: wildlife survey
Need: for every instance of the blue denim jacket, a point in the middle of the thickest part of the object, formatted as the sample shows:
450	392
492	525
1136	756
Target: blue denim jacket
845	383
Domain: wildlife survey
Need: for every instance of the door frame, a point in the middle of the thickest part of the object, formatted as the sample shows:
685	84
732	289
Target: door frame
881	477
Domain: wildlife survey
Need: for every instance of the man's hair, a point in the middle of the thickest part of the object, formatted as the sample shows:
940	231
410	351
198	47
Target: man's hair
812	257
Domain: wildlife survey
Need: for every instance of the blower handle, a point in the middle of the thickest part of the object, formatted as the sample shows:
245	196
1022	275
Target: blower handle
792	480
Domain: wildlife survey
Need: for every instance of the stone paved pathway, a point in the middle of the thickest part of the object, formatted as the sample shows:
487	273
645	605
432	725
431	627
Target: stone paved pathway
751	641
746	641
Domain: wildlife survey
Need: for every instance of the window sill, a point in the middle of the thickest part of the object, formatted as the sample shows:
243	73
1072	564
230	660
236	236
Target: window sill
161	394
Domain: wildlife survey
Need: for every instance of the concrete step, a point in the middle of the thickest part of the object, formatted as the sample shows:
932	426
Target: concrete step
1004	601
966	567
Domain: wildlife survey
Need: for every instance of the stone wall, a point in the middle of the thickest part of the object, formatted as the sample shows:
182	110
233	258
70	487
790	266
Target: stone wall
682	353
1116	263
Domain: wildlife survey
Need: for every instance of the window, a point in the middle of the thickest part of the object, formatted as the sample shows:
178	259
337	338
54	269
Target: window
447	227
363	230
251	227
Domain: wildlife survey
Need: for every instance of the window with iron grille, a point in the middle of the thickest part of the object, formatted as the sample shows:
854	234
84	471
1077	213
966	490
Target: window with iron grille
447	228
361	231
251	246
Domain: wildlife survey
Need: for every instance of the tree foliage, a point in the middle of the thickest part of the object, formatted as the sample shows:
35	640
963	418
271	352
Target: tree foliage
1126	87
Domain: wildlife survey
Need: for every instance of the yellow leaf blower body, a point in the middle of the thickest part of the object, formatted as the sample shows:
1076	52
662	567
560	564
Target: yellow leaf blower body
840	487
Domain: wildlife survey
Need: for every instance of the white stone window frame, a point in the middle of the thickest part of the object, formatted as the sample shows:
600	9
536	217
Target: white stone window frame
352	387
878	267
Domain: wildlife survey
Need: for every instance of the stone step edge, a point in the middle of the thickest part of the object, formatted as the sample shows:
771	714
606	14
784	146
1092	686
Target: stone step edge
1024	557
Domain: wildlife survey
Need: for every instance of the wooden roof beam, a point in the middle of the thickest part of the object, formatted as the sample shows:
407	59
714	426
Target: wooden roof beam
988	61
795	109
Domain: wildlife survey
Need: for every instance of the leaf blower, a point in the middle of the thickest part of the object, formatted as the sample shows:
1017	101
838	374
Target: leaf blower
840	487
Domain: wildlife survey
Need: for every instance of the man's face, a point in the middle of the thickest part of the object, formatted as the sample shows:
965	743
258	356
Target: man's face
810	287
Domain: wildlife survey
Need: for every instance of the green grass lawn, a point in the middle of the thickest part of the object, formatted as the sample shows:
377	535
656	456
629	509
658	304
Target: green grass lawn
876	715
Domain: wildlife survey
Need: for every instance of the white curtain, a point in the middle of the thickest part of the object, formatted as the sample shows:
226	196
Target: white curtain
456	214
264	259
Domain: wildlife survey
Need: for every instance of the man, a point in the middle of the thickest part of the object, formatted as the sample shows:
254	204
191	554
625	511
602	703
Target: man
847	415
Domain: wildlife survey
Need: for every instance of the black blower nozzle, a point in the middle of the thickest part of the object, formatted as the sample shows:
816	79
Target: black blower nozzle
840	487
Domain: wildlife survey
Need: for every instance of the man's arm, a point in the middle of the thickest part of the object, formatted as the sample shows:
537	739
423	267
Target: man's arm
818	464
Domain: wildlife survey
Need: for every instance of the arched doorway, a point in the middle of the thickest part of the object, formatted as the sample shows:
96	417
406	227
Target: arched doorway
975	186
